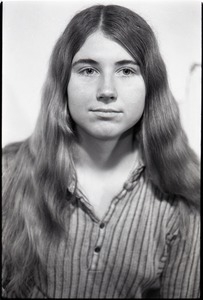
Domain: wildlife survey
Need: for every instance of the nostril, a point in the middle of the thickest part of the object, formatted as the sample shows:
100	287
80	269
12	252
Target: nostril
107	96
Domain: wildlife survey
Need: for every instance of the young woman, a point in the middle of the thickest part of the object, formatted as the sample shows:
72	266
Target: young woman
102	200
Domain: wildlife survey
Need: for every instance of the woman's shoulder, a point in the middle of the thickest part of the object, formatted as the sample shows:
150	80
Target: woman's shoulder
177	214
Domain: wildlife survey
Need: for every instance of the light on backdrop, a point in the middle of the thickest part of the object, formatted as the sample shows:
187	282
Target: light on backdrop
30	30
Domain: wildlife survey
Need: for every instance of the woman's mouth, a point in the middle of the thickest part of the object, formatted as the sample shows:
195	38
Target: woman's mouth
106	113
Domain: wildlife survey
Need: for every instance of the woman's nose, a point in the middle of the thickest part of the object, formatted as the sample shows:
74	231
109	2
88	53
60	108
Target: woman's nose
106	90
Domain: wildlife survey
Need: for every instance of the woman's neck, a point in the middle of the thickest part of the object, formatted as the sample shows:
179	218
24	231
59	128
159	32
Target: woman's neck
104	155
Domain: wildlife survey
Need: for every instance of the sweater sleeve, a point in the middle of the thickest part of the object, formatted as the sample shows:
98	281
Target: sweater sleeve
181	275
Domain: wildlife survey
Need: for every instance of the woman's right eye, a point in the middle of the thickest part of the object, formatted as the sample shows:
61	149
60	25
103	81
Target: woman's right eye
88	72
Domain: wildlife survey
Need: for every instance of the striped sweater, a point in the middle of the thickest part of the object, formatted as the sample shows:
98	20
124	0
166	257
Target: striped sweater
136	251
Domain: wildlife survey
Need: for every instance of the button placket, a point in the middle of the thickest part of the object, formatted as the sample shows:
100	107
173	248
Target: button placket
98	247
101	237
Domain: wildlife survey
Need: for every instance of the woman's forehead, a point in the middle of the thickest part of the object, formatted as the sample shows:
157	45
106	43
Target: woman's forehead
98	47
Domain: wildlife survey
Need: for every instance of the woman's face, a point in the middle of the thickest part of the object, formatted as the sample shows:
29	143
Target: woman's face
106	91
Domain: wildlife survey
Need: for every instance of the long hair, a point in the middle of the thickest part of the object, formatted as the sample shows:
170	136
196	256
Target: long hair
35	188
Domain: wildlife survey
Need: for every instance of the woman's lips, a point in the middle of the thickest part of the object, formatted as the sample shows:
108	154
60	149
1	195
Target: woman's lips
106	112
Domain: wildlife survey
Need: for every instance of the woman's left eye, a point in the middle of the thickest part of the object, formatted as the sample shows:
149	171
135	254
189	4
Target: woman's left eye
127	72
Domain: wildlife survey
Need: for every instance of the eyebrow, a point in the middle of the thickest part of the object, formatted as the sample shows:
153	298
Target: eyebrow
94	62
126	62
85	61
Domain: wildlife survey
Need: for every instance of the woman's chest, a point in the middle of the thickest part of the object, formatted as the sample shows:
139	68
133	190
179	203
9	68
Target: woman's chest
101	193
119	253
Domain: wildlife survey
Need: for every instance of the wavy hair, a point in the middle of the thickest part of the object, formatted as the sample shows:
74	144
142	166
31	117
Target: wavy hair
35	187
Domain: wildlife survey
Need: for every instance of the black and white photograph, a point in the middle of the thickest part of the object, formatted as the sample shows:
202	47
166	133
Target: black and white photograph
101	149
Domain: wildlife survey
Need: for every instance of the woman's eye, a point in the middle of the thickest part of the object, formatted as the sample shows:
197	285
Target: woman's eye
127	72
88	72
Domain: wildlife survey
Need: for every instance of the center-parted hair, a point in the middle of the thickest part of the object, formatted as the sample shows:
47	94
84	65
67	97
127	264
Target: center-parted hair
35	188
